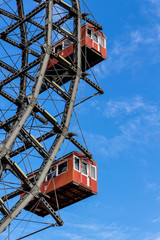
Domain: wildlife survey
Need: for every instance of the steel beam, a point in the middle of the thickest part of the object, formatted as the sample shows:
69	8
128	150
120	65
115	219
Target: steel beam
21	46
21	21
8	14
5	148
92	84
21	71
24	59
15	17
63	32
51	211
29	144
21	175
35	143
13	194
74	12
55	25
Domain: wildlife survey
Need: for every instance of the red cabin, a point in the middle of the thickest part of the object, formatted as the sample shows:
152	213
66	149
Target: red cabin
93	43
70	179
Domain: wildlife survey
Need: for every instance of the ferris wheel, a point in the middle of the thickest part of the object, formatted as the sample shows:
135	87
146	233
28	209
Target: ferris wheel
47	51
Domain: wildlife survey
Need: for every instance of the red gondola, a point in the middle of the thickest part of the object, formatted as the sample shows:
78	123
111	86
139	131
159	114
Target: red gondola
70	179
93	44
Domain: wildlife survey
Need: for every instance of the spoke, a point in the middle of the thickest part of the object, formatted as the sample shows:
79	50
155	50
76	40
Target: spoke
21	71
20	22
8	14
23	79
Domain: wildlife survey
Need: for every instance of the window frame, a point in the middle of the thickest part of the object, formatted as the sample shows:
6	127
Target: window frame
83	161
58	168
45	179
101	37
91	165
79	163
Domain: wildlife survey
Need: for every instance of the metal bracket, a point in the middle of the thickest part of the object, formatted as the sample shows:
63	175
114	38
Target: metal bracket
52	212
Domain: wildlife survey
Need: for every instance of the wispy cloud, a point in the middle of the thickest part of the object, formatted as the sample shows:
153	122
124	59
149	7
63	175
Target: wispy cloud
156	220
154	6
152	236
114	108
154	187
137	122
98	231
136	46
92	231
132	51
123	108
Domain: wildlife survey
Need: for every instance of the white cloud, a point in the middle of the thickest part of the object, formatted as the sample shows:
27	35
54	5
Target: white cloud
154	7
154	187
136	36
132	51
107	147
92	231
152	236
136	121
114	108
97	231
135	47
150	112
156	220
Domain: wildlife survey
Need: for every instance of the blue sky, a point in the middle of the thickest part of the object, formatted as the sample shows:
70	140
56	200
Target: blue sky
125	132
124	136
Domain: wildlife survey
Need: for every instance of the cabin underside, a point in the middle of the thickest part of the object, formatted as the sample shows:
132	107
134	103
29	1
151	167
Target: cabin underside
62	197
92	57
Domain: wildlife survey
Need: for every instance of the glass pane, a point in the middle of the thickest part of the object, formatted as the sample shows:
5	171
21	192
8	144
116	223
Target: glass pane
76	163
102	42
84	168
67	43
52	173
62	168
93	172
58	48
89	32
95	37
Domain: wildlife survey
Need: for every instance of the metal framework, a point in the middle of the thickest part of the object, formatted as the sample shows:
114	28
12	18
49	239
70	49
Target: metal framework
32	130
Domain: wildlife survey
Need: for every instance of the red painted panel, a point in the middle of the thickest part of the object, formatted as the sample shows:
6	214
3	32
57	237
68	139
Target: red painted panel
103	52
84	41
83	36
67	51
51	62
82	179
93	185
71	175
95	46
76	176
59	180
89	42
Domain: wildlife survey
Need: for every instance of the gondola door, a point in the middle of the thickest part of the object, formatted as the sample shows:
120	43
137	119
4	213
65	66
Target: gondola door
85	173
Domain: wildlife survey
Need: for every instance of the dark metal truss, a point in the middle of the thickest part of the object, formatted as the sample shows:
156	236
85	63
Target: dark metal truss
27	105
